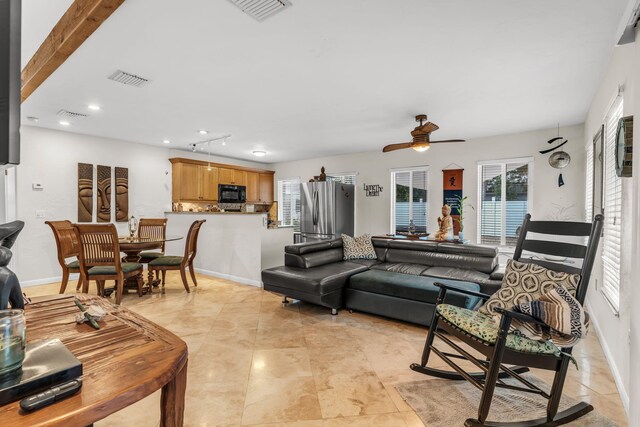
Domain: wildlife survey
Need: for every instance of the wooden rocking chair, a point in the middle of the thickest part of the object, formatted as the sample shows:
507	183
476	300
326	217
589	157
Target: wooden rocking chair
498	354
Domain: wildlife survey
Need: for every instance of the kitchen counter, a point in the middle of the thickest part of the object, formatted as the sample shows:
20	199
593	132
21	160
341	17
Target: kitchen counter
215	213
231	245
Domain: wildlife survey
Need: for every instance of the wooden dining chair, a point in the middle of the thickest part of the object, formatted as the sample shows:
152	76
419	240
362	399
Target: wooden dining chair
152	227
68	247
181	263
100	258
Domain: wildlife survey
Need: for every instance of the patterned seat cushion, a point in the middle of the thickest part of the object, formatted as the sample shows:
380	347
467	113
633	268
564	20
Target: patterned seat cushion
167	261
483	327
127	267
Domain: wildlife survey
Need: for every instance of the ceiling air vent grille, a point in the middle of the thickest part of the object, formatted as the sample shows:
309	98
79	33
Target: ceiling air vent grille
128	79
71	115
261	9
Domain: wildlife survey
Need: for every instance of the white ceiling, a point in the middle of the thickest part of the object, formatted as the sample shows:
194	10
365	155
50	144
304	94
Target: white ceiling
327	77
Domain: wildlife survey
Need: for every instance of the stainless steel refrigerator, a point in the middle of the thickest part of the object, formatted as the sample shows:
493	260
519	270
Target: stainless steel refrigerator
327	210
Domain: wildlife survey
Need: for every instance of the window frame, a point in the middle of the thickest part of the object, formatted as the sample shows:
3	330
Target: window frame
392	173
530	161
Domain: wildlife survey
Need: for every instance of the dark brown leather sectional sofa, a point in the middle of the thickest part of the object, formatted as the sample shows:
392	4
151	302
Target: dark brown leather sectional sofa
399	283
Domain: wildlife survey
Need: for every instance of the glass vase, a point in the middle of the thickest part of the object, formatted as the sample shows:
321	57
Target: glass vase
12	340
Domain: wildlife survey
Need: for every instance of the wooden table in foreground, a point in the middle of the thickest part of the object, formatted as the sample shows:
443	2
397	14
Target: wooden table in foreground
126	360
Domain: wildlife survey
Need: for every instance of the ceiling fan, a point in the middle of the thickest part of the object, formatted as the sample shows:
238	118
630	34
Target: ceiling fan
420	136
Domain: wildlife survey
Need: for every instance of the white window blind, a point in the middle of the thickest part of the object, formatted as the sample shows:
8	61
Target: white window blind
612	210
409	200
504	192
289	203
588	191
343	178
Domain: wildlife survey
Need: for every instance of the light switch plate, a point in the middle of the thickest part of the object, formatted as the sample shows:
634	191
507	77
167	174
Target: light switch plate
41	214
37	186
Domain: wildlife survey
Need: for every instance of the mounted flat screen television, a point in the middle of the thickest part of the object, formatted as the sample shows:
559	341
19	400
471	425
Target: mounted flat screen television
10	82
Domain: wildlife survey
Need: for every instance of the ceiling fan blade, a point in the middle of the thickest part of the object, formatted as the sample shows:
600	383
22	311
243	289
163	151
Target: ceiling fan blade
429	127
448	140
393	147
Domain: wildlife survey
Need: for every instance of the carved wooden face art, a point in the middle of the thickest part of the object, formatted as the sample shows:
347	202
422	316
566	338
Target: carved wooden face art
85	192
122	194
103	201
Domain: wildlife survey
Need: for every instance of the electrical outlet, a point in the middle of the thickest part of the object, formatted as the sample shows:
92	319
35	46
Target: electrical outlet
41	214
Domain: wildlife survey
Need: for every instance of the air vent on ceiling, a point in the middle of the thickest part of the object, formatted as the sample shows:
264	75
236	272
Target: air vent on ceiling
261	9
128	79
71	115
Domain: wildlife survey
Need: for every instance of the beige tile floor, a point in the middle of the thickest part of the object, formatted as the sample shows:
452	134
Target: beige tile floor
253	362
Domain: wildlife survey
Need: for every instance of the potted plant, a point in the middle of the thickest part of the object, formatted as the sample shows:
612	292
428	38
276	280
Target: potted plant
460	204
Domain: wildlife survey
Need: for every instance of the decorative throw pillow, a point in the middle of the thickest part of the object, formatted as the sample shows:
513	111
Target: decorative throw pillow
525	282
567	321
358	247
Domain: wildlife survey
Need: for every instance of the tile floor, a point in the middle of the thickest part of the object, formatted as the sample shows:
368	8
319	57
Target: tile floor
253	362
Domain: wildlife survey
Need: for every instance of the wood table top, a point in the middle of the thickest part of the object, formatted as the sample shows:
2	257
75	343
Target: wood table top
126	360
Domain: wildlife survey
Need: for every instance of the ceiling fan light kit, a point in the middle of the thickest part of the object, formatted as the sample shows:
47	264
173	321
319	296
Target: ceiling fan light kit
420	137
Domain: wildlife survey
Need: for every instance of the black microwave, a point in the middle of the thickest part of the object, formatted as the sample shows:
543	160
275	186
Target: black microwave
232	193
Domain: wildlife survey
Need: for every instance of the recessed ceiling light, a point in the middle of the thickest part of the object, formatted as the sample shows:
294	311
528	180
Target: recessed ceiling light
259	153
203	132
64	123
166	141
93	107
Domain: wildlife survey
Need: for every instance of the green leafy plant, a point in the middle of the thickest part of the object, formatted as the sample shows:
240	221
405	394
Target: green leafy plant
461	203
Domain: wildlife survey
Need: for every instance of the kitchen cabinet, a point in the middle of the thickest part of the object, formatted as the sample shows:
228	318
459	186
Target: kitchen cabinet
231	176
209	177
253	186
196	181
266	187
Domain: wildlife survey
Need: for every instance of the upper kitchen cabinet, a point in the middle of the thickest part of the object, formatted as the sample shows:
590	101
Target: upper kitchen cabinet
266	187
197	181
231	176
253	186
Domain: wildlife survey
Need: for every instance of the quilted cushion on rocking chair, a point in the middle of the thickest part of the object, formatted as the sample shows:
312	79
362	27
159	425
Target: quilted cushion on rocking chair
483	327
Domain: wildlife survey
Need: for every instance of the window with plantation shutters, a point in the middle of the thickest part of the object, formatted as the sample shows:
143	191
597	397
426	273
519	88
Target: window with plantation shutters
504	198
409	200
289	203
612	210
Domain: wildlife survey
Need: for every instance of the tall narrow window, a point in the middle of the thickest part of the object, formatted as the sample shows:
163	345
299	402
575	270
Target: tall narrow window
504	198
612	210
409	200
289	203
589	178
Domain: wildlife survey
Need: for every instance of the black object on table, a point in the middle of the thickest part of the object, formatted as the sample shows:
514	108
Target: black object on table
52	395
46	364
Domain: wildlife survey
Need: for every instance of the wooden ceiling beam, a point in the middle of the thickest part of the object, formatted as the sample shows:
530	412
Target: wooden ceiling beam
76	25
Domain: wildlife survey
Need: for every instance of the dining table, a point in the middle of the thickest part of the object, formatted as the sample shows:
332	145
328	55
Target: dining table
132	246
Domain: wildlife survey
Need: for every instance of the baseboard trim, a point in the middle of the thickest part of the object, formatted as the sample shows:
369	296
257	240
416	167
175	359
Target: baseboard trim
624	396
238	279
57	279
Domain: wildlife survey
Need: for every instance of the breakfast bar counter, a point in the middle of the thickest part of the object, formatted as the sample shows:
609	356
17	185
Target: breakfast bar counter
231	245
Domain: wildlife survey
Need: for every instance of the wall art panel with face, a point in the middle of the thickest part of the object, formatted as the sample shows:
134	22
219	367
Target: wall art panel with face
85	192
103	201
122	194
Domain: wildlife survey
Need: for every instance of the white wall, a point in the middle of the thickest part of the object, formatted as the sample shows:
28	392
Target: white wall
373	213
51	157
620	334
